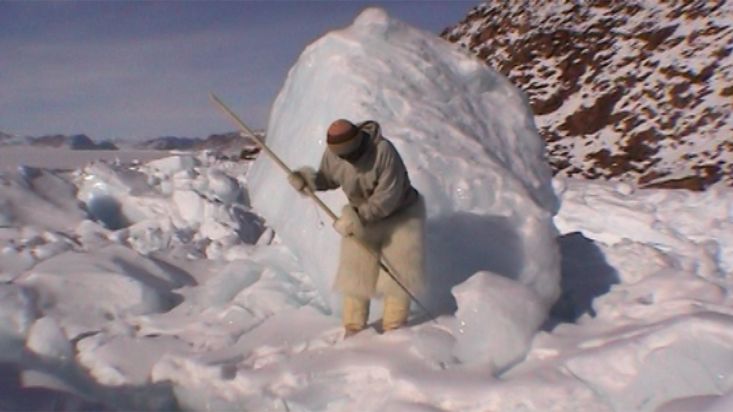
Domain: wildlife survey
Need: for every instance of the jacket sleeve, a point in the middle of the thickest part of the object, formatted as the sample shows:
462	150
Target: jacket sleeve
324	176
389	192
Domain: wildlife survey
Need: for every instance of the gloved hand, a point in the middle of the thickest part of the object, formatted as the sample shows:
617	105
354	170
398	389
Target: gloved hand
298	182
349	223
303	178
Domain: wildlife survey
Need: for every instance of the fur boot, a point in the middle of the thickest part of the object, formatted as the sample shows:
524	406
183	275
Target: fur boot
355	314
396	311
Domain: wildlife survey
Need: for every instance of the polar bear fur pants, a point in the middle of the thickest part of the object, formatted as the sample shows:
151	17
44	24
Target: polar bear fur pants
399	240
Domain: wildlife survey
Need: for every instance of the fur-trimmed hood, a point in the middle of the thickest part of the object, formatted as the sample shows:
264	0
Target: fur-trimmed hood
372	129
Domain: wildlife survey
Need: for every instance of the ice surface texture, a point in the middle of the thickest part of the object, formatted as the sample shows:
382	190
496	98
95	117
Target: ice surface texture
466	135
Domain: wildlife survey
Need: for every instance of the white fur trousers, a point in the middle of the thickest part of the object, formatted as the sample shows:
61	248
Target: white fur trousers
400	239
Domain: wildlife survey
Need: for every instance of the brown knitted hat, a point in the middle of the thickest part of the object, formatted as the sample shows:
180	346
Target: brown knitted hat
343	137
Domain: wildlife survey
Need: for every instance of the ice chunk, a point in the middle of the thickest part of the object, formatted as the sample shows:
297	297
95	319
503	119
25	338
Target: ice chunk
108	357
171	165
45	338
227	283
50	249
40	198
222	187
217	222
90	233
149	236
190	206
466	135
17	313
86	291
495	321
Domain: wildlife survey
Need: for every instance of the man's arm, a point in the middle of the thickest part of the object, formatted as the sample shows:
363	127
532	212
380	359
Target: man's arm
390	189
316	180
323	179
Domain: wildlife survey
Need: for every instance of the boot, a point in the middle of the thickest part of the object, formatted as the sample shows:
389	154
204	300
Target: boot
396	310
354	314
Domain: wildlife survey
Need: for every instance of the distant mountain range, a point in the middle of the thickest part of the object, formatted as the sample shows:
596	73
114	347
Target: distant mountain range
621	90
230	142
74	142
222	141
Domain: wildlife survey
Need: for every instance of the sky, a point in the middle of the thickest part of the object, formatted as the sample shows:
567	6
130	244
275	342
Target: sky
144	69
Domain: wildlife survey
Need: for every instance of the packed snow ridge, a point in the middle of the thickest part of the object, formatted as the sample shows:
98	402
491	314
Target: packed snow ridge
203	283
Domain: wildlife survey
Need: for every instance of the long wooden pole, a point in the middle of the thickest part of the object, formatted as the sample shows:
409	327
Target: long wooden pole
269	152
383	263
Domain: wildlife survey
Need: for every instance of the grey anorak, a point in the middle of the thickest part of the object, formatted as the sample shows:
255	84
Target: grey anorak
377	184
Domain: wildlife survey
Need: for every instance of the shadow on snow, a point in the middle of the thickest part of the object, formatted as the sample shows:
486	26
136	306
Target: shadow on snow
454	254
585	276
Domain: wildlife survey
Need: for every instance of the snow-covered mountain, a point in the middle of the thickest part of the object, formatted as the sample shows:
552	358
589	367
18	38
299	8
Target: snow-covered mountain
621	90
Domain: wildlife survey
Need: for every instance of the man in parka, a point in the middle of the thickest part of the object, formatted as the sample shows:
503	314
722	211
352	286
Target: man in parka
384	212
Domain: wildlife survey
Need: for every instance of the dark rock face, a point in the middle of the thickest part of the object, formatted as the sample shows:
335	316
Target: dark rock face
81	142
231	141
168	143
73	142
621	90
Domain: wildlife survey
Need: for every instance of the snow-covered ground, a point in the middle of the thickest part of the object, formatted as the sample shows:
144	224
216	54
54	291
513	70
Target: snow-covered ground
11	157
166	310
201	283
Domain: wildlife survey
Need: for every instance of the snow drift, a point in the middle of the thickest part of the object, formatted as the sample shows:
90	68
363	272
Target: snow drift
466	135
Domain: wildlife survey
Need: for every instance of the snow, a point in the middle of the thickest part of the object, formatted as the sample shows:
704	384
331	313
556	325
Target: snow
12	157
174	292
17	312
491	328
645	324
46	338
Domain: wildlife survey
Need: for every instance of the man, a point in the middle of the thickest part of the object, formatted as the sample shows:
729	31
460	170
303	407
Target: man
384	212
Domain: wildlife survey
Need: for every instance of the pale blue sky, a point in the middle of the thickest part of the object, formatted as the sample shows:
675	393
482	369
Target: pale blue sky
144	69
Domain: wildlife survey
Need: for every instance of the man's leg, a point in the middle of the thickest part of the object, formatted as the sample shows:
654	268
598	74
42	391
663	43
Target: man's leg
404	252
396	310
358	269
354	314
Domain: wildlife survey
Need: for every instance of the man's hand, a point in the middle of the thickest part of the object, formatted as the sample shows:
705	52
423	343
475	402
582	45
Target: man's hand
349	224
297	180
303	179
